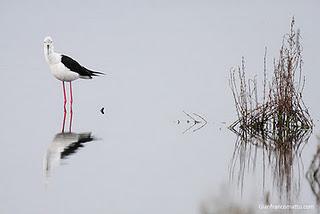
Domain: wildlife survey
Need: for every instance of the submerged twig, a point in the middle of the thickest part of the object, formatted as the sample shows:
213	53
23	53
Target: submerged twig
205	122
195	122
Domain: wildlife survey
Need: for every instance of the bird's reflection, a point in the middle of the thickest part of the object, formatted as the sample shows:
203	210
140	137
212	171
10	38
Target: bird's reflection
63	145
65	116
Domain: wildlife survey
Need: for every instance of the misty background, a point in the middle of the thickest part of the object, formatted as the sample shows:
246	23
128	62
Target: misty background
161	58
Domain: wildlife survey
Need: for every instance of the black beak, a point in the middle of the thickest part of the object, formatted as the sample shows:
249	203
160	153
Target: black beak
48	47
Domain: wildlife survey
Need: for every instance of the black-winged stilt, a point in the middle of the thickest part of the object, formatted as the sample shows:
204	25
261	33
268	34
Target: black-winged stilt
66	69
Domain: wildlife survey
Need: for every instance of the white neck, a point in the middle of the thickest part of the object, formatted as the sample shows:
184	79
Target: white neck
50	56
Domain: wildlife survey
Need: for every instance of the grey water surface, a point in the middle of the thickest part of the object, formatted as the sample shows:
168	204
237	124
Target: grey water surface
160	58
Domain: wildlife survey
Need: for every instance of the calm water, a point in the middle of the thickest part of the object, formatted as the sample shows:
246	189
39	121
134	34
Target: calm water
161	58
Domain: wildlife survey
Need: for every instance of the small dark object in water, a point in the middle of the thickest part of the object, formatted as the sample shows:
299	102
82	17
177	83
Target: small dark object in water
102	110
195	121
178	122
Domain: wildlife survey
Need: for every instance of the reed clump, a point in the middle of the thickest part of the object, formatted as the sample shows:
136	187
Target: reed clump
278	123
281	113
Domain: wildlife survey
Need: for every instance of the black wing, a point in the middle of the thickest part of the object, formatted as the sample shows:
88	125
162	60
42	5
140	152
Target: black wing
71	149
75	66
74	147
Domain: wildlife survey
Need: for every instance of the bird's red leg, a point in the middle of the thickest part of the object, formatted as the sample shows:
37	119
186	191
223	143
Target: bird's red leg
64	106
64	97
71	112
64	121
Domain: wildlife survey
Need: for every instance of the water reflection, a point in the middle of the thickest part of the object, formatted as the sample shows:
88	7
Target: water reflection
195	122
65	116
223	202
63	145
279	154
313	174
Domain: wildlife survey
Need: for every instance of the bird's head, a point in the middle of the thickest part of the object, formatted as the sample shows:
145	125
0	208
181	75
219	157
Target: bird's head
48	43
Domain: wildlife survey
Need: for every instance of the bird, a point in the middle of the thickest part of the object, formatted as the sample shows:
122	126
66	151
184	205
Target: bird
65	69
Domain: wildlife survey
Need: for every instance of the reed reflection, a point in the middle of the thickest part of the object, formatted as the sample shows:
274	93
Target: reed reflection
313	175
279	155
